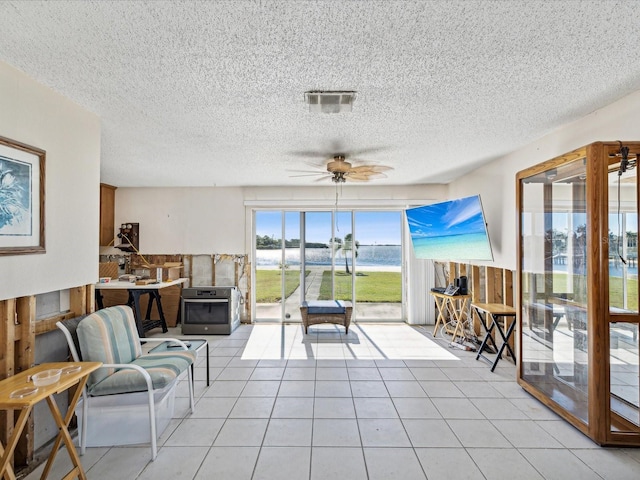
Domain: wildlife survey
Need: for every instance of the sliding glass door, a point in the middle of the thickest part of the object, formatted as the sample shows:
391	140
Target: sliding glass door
379	265
328	255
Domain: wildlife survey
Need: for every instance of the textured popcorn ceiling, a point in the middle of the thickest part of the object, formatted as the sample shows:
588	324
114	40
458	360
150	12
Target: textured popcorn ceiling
212	93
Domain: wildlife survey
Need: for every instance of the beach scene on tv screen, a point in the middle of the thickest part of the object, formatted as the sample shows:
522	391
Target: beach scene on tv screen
450	230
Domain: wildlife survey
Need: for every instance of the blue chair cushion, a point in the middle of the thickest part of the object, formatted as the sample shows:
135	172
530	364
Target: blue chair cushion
163	368
324	307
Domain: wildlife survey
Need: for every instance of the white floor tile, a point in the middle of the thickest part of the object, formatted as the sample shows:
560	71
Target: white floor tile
333	407
120	462
448	464
289	432
445	389
331	373
362	388
299	373
300	388
195	432
235	373
272	417
253	407
558	464
428	373
332	432
478	433
375	408
525	434
229	388
175	462
396	373
610	463
498	409
261	388
228	463
337	463
267	373
393	463
478	389
277	463
383	432
451	408
405	388
416	408
430	433
241	432
293	407
504	464
568	435
363	373
333	388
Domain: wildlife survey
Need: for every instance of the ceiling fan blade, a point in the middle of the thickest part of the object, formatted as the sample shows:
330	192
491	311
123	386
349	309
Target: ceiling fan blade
356	179
364	176
370	169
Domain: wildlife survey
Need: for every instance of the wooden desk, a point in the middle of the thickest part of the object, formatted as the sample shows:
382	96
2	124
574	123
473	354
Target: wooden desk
496	311
145	323
451	306
25	405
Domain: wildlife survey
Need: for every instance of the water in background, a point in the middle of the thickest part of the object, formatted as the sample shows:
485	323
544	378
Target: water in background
368	255
473	246
615	269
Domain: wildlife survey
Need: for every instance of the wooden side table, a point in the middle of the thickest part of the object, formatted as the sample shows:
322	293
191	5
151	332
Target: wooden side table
451	306
14	395
496	311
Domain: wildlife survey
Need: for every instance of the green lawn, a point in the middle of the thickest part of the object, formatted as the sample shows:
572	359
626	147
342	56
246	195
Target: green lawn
615	290
615	293
379	287
269	285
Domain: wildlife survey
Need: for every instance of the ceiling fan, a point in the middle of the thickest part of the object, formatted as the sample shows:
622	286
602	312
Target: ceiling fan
339	170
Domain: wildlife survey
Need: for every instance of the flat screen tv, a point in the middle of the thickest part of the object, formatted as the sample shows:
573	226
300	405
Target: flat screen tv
451	230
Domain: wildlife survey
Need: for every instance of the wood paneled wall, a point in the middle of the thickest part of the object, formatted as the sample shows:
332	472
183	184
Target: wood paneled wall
485	284
18	330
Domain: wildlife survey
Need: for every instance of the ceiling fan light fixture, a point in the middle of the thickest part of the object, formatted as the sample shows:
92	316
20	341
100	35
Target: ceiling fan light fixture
321	101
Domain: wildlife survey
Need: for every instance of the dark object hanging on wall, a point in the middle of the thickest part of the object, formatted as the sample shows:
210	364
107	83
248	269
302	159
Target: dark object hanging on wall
129	237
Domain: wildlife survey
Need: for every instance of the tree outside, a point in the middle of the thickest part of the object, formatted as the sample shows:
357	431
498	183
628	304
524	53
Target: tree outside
345	247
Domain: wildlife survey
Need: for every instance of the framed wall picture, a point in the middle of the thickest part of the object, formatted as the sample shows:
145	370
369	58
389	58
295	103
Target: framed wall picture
22	182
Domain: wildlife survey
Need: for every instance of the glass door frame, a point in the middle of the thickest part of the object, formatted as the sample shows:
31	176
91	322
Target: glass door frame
303	282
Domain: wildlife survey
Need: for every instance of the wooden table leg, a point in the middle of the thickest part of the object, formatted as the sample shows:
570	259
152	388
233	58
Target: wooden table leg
440	305
63	434
459	316
6	469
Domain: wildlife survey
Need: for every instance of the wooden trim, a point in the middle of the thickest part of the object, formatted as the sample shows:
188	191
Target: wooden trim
7	358
24	359
597	305
554	162
49	324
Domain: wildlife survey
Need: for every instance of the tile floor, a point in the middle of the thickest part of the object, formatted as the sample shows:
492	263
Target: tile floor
387	401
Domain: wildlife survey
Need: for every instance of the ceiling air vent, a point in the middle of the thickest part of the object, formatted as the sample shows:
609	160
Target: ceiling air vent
330	102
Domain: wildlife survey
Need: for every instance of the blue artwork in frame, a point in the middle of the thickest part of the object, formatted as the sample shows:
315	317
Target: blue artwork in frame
22	169
15	197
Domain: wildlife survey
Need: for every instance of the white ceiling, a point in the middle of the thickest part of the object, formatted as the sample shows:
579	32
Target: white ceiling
212	93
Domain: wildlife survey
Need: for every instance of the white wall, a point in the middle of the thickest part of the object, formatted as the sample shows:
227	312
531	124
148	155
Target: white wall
496	182
210	220
184	220
219	220
33	114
